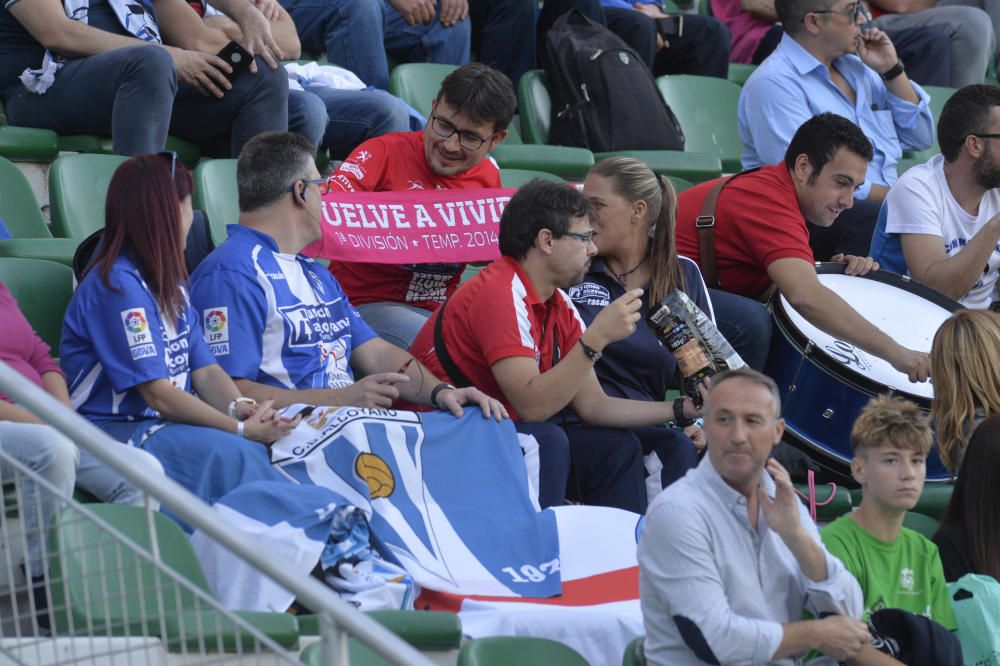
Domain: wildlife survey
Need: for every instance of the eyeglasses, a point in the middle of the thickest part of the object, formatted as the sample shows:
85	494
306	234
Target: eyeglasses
986	136
852	12
586	237
324	184
469	140
172	156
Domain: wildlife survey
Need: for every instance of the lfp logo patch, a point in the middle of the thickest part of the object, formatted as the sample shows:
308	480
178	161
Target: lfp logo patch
140	342
216	325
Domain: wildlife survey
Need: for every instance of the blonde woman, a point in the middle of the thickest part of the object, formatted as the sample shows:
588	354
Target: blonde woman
965	365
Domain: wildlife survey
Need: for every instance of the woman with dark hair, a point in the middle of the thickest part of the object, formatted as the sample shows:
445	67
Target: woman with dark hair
969	537
133	346
633	222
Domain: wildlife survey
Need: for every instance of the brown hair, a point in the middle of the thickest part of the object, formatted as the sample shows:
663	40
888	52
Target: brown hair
965	365
888	421
634	181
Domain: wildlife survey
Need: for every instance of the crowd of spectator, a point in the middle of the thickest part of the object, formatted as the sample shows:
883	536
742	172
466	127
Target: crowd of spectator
550	335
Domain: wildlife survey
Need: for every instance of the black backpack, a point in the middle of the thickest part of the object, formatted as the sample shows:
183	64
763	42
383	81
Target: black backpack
603	96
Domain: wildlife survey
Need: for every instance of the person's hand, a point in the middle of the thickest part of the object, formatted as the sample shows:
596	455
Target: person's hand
452	400
453	11
842	637
876	50
616	321
650	10
781	513
915	365
855	265
376	390
257	37
697	435
244	410
207	73
266	426
269	8
415	11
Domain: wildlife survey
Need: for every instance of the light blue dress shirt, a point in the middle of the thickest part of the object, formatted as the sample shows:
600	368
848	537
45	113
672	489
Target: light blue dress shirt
792	86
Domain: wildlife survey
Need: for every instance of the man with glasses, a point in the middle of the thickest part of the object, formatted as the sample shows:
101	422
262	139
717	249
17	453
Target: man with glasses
468	119
941	221
826	62
512	331
277	322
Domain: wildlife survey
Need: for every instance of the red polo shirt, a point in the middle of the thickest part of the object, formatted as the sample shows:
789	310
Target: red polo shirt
757	222
496	315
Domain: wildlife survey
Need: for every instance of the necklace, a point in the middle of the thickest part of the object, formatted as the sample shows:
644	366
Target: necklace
621	276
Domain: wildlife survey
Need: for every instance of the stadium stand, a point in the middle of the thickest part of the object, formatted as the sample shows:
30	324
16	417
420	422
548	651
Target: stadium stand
215	193
42	289
21	215
535	103
502	650
78	187
706	109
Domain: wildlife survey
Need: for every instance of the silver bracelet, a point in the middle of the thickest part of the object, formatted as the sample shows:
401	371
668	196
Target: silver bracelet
240	427
238	400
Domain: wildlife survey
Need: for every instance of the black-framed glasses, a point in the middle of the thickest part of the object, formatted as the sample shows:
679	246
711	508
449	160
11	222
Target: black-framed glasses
985	136
172	156
445	129
586	236
852	12
324	184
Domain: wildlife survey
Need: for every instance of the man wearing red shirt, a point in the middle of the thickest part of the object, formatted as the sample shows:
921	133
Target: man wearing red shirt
469	118
761	239
512	332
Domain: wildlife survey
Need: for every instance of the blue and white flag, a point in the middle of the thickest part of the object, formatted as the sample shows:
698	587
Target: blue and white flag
449	498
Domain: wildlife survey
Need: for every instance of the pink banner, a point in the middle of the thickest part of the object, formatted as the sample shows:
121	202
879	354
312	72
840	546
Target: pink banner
413	227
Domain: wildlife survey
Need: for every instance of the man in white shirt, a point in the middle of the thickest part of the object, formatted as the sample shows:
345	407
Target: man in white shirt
941	220
729	557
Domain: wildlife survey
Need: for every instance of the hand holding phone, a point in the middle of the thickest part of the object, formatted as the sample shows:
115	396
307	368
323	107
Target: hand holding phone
670	27
236	57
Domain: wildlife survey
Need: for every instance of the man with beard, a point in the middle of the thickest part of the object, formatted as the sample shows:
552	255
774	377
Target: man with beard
512	332
829	61
941	221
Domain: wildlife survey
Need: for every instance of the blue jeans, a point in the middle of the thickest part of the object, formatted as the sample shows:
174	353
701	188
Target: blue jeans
745	323
340	120
395	322
356	34
133	94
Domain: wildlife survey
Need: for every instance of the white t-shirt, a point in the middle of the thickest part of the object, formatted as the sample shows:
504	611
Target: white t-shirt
921	203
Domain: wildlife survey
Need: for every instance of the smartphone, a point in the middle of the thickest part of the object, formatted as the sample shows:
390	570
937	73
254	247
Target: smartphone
670	27
237	57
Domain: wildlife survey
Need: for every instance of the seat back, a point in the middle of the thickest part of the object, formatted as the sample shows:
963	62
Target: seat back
105	587
18	208
215	193
535	104
921	524
506	650
518	177
635	655
42	289
939	95
78	189
706	108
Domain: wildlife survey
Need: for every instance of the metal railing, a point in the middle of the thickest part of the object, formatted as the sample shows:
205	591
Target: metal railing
114	600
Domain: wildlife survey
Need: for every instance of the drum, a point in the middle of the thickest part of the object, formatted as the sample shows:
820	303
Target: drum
825	382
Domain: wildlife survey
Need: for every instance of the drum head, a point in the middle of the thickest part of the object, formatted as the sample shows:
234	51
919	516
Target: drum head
908	312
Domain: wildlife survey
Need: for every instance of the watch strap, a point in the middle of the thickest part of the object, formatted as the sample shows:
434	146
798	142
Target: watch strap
893	71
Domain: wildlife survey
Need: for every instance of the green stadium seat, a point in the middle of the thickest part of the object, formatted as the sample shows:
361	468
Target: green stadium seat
21	215
508	650
357	653
836	507
518	177
103	589
215	194
939	95
918	522
42	289
26	144
78	188
418	83
635	655
739	72
424	630
933	501
536	118
706	108
680	184
188	153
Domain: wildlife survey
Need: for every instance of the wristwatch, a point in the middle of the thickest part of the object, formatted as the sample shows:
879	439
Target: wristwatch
236	401
590	352
893	72
680	420
443	386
